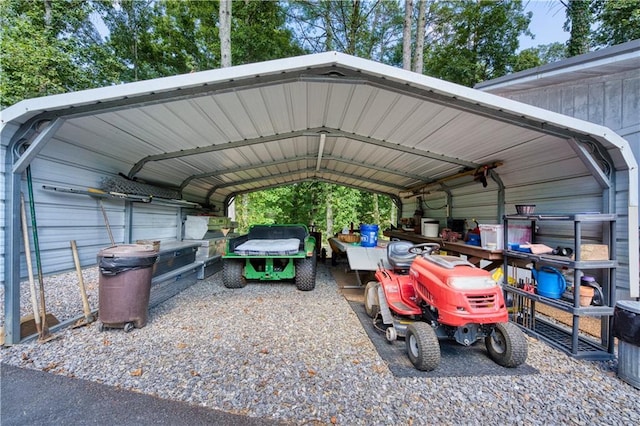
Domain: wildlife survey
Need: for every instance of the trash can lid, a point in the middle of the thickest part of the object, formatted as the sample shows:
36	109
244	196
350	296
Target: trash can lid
629	305
128	250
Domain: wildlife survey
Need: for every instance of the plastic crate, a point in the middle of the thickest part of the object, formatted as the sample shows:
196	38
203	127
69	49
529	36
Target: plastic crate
492	237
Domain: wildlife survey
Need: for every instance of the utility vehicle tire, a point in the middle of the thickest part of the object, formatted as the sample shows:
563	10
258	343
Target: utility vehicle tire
507	345
232	273
371	300
306	273
423	346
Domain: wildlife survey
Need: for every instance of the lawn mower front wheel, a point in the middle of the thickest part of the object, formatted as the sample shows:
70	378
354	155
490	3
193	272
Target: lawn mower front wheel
423	346
371	299
507	345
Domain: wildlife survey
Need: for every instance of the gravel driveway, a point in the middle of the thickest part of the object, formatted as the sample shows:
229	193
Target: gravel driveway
270	351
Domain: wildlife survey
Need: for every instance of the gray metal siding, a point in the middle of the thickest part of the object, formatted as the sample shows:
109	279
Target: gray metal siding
62	217
151	222
3	219
613	101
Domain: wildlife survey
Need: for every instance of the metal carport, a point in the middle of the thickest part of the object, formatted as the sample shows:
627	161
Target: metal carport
332	117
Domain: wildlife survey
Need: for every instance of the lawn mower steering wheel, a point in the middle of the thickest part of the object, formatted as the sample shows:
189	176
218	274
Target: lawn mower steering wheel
424	248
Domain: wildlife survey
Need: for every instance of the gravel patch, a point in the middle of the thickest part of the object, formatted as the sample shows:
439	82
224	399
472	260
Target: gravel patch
270	351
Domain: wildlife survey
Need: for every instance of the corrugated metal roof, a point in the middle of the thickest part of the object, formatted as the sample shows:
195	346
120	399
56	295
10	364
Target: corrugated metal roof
615	59
329	117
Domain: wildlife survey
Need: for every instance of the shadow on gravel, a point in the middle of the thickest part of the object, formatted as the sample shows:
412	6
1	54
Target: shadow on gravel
456	360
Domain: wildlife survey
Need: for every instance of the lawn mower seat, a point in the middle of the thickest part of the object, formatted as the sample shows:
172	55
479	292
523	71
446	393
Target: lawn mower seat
399	257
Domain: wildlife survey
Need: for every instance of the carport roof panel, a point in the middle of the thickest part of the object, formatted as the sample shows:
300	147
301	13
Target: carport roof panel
257	117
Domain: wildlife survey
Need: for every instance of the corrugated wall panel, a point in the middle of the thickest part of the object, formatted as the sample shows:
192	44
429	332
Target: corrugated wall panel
3	197
62	217
630	100
614	102
152	222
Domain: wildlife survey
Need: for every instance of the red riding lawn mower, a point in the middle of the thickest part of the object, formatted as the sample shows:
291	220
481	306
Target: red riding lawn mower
425	297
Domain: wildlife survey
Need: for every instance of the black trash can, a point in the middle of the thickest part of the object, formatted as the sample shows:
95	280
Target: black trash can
124	286
626	327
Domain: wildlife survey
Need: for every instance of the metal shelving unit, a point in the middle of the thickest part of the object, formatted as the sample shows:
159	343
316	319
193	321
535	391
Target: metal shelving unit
566	339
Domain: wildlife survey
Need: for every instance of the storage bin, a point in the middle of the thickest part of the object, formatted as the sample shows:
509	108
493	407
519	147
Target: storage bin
174	255
519	234
492	237
429	227
626	327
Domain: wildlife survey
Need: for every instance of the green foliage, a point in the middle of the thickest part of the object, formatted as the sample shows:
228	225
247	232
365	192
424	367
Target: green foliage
49	51
578	23
305	202
478	40
259	33
620	21
540	55
368	29
169	37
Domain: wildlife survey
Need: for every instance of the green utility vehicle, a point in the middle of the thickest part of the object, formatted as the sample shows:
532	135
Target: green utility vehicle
271	253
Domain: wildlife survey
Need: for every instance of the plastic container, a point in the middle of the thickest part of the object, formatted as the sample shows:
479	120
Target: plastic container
124	285
473	239
626	327
429	227
368	235
519	234
492	237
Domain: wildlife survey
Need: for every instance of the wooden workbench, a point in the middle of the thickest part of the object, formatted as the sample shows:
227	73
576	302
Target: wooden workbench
474	254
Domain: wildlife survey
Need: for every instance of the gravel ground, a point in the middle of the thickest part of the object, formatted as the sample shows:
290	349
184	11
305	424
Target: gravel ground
271	351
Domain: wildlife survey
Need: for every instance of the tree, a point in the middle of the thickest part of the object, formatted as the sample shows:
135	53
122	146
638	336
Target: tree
260	33
48	48
540	55
169	37
418	58
368	29
619	22
406	34
578	24
476	40
225	33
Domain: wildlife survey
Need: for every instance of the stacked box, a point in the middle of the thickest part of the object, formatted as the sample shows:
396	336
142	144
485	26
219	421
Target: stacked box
217	223
210	247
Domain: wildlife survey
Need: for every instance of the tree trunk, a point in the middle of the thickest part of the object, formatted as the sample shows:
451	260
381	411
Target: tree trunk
225	33
47	14
376	209
418	61
579	19
329	211
406	35
354	23
328	44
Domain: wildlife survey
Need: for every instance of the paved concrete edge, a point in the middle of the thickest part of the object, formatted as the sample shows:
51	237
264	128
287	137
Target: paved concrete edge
36	397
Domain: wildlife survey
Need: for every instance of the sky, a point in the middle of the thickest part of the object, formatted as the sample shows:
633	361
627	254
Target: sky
546	23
